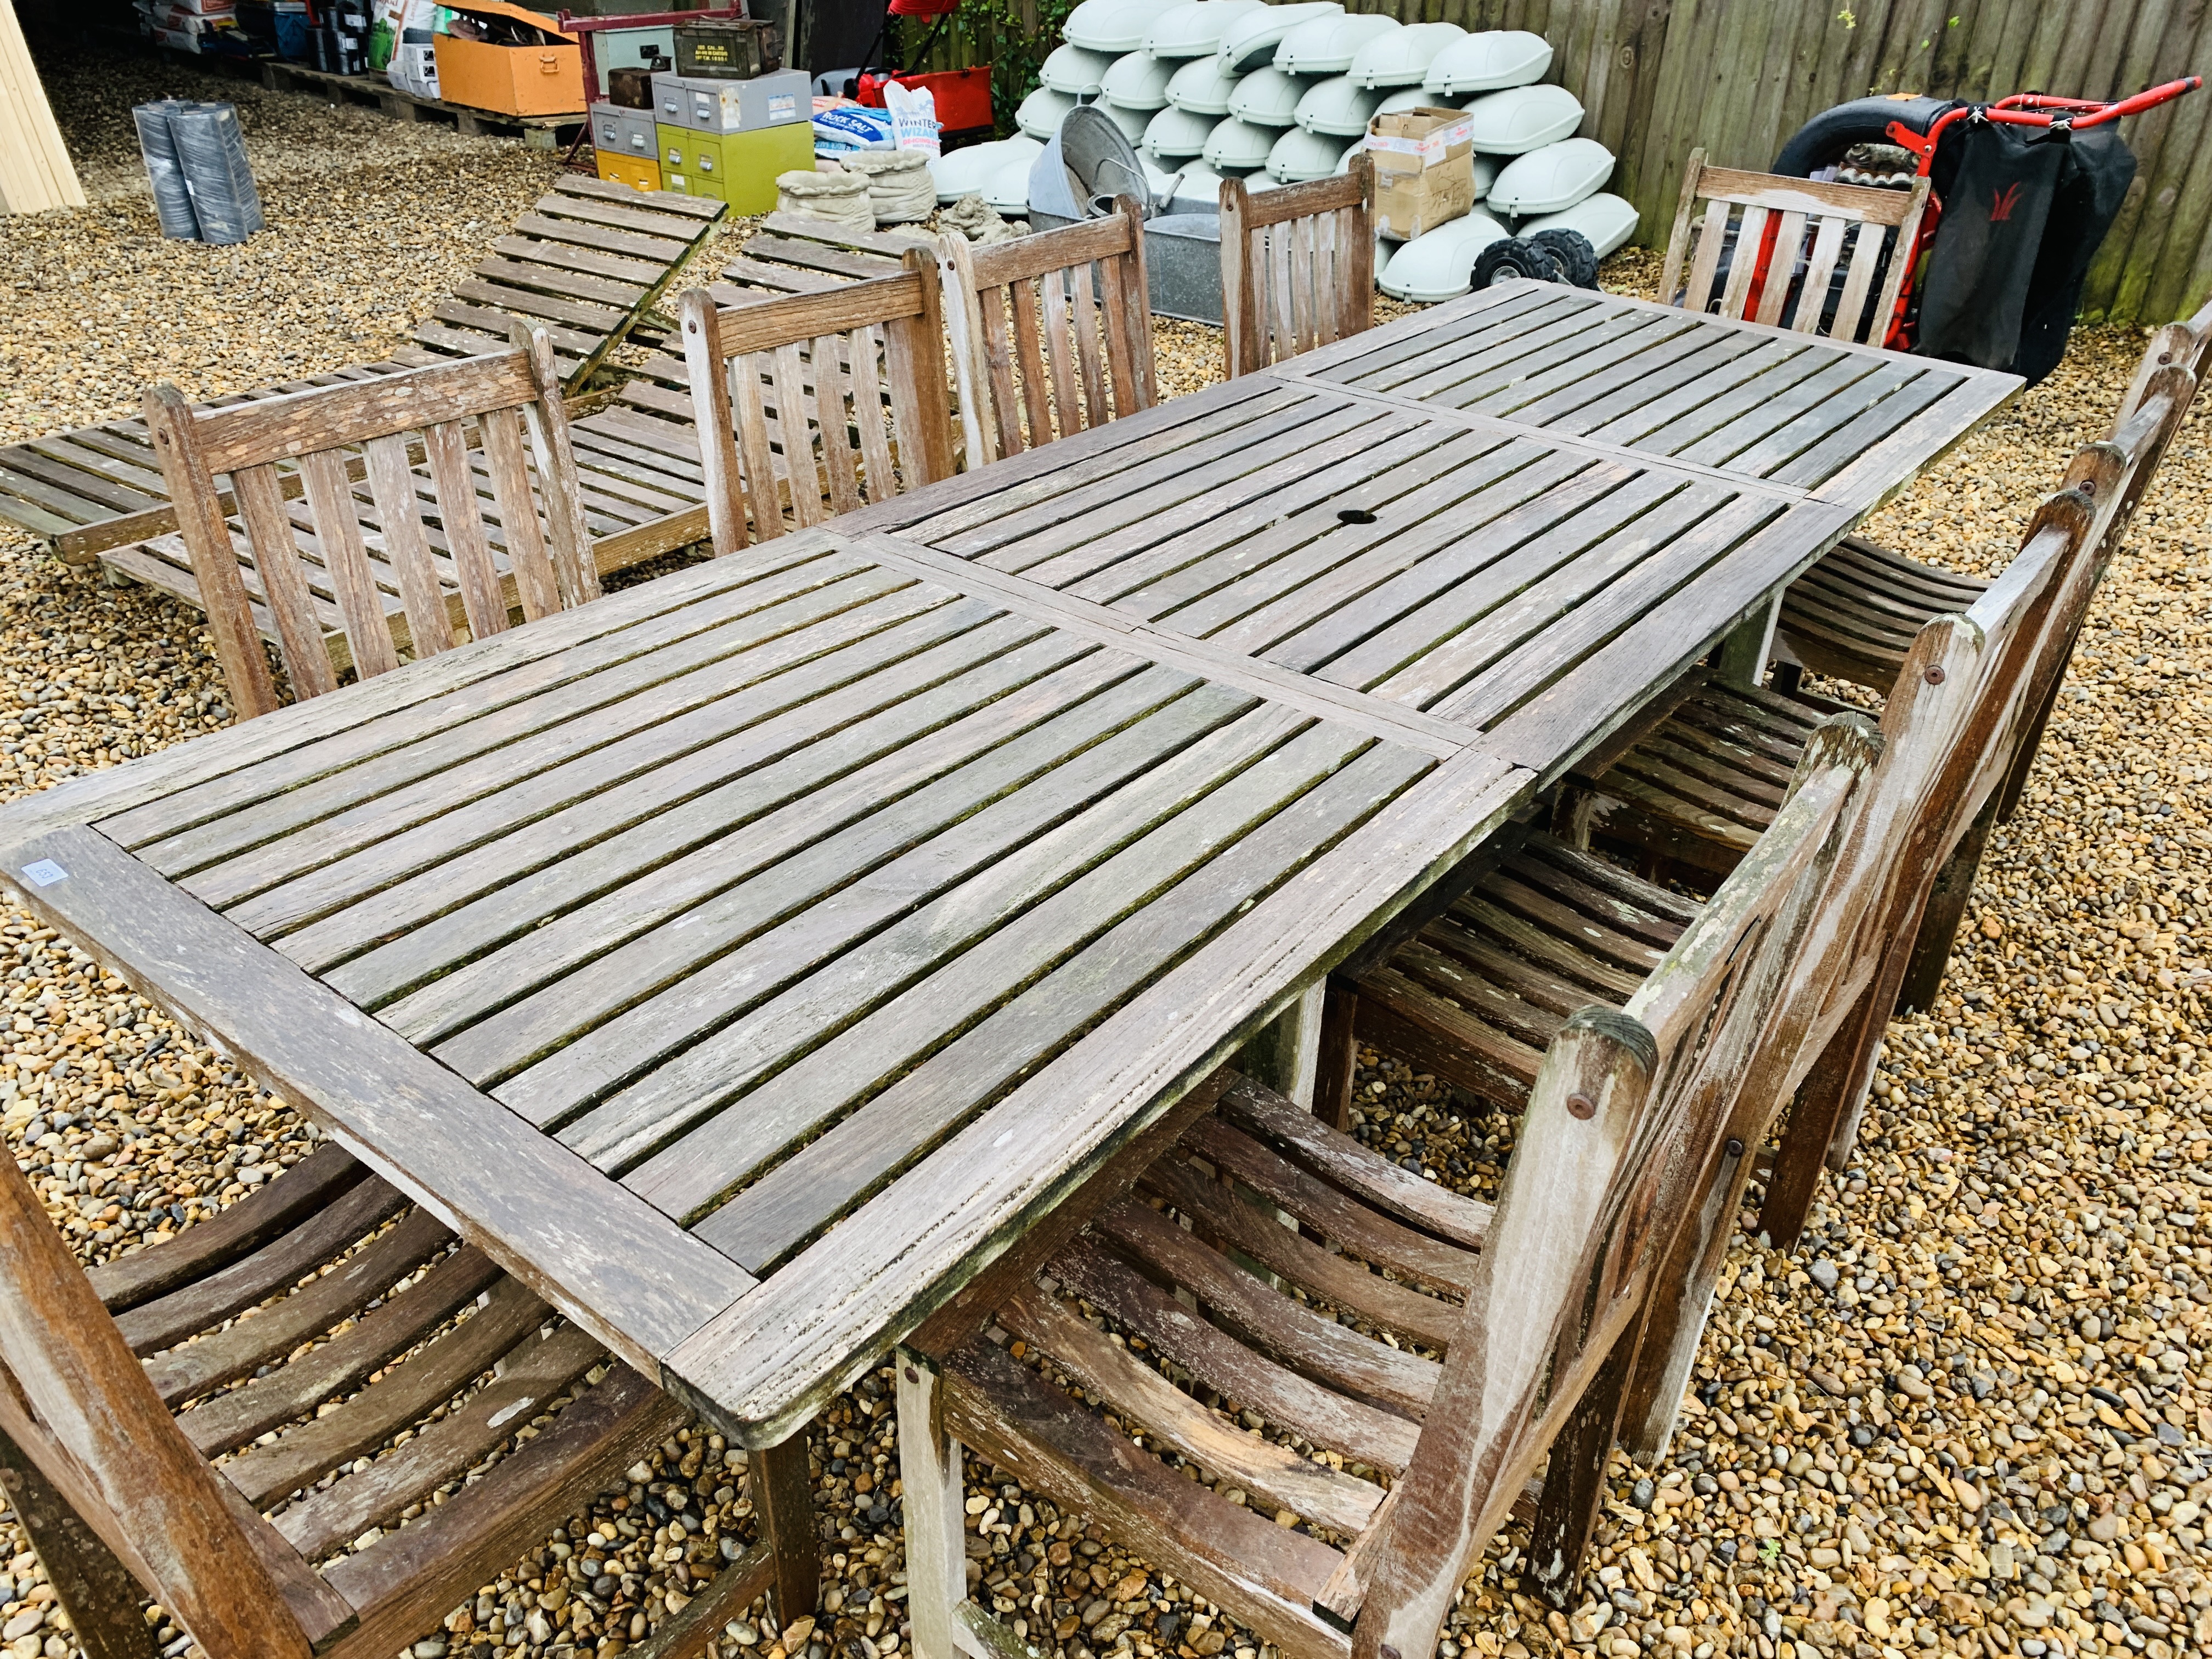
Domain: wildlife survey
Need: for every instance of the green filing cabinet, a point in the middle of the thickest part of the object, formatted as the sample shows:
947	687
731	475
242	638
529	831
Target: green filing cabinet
743	165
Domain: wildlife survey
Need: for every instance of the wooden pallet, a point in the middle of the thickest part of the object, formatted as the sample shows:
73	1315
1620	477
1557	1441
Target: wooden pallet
539	131
793	254
586	261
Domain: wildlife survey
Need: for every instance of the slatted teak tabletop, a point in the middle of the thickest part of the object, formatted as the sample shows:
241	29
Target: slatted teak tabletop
1501	586
744	959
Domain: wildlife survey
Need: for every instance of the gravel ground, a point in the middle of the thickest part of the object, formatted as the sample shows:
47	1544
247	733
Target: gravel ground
369	221
1971	1416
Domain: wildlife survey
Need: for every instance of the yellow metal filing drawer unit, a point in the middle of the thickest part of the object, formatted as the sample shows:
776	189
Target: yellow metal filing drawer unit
737	167
638	171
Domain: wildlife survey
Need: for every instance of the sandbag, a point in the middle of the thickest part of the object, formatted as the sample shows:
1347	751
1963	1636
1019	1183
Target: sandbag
839	197
900	188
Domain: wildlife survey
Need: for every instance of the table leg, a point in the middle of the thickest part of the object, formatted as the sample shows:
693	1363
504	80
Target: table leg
783	1499
1742	659
1284	1055
936	1533
1339	1055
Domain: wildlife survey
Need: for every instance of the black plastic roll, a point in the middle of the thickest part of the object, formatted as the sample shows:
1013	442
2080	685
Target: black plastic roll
211	149
172	198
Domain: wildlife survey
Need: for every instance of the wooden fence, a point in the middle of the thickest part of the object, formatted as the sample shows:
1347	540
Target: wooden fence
1660	77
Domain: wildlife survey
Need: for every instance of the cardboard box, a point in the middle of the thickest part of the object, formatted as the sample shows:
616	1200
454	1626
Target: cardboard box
707	104
638	171
619	131
1424	169
546	77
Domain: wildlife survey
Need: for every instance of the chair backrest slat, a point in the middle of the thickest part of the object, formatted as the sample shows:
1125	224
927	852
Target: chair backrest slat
399	514
1029	350
818	404
262	510
1789	211
1051	333
329	496
1820	271
1297	266
568	537
446	450
392	503
508	468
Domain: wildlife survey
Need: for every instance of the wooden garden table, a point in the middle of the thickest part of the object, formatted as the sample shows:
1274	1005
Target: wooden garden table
747	959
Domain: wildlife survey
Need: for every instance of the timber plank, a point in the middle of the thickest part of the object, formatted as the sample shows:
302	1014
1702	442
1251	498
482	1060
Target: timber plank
359	840
955	1206
244	765
817	847
439	920
1021	849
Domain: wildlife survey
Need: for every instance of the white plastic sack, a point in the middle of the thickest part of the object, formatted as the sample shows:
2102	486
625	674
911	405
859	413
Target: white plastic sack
914	117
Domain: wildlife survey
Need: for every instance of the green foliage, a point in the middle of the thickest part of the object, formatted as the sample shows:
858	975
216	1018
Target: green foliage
1014	36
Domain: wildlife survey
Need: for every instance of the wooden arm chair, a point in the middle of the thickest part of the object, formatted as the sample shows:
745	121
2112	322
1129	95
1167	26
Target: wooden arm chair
818	404
1468	996
1052	333
1807	220
1515	1325
211	1422
330	554
1702	779
1297	266
1854	615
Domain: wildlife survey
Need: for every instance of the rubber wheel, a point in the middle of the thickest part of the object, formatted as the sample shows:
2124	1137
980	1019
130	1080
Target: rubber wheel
1822	140
1578	258
1511	257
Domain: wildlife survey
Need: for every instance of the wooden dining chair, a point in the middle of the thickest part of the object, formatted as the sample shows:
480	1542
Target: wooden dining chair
819	404
1951	735
1469	996
1186	1312
1297	266
1790	221
1700	780
376	518
1854	614
1052	333
310	1426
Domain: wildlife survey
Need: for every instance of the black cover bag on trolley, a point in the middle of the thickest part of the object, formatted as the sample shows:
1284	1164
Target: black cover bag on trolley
2025	210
